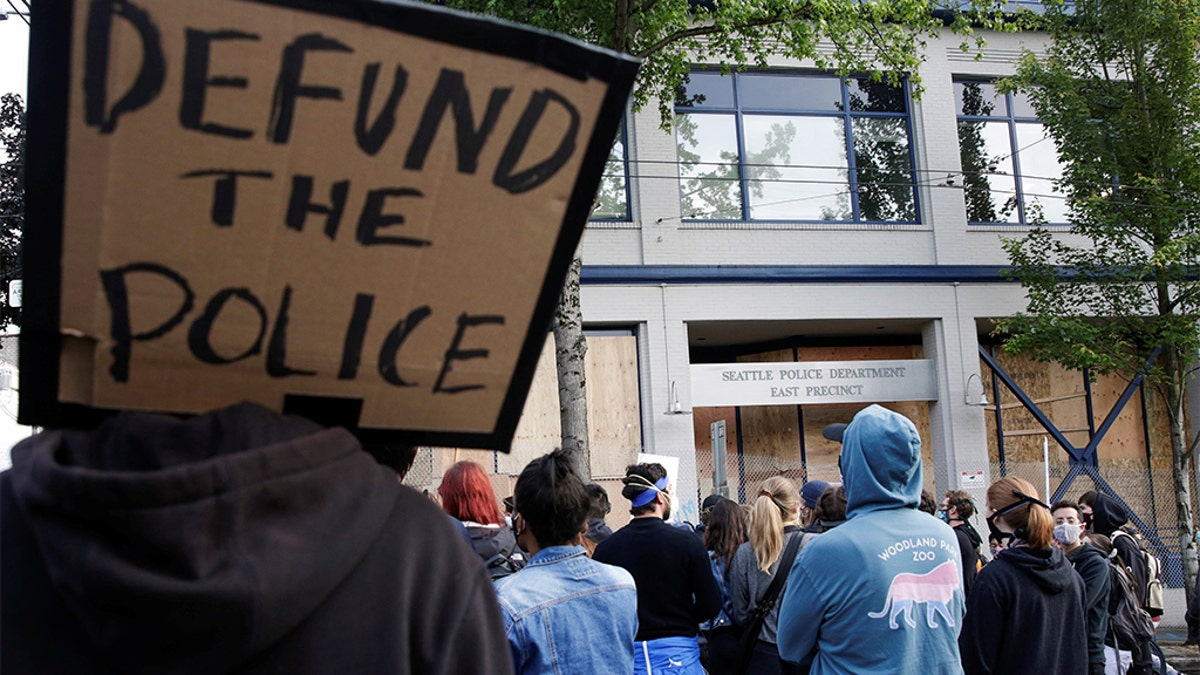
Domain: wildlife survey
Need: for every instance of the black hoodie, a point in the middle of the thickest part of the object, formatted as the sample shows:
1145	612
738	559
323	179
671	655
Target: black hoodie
1107	517
1026	614
237	541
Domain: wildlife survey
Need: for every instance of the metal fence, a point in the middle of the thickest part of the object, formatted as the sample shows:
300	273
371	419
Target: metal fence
1148	492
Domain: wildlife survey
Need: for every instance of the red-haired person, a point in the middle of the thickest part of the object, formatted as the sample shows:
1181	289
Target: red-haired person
468	496
1026	611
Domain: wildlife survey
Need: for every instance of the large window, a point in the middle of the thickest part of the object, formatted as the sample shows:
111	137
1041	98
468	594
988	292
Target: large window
1009	163
612	197
794	147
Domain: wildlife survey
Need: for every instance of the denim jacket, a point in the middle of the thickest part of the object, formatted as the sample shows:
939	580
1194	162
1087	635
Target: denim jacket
567	613
725	618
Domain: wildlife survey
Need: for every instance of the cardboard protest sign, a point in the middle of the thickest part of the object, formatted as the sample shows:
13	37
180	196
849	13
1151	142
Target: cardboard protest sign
360	211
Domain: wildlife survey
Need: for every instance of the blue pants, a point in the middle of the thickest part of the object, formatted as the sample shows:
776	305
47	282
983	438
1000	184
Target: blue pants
667	656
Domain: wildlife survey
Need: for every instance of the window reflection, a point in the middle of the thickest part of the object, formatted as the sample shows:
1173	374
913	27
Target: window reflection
1038	160
881	156
797	168
612	197
797	147
1009	164
708	167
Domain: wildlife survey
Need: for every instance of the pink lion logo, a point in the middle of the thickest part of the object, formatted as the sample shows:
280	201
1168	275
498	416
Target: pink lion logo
935	588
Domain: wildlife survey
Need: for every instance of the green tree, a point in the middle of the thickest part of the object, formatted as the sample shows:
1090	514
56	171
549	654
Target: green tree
1119	91
12	198
881	37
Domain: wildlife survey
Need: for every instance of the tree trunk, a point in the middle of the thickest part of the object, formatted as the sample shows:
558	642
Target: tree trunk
570	348
1179	467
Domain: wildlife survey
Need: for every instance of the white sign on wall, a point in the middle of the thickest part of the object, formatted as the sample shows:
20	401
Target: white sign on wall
809	382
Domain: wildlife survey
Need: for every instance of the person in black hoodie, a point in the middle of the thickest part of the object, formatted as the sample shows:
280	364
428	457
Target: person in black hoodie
1105	515
597	529
1026	612
956	508
238	541
1093	569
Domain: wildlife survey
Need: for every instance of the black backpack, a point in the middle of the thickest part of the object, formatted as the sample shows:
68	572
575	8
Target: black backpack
1129	626
498	548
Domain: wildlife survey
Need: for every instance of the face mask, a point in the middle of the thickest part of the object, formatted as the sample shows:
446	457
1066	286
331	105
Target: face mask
1067	534
995	532
944	515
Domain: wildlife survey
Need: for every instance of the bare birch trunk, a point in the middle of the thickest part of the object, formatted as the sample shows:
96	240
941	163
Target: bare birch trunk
570	348
1179	467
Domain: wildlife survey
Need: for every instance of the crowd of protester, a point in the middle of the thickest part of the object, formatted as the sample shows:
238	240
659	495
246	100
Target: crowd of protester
869	575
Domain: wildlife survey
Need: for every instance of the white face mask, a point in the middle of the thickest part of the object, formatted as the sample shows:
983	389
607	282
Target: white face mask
1067	534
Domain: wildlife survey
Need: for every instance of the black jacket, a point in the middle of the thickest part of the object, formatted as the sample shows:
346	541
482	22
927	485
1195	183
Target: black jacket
1026	614
676	590
239	541
1092	567
968	545
1107	516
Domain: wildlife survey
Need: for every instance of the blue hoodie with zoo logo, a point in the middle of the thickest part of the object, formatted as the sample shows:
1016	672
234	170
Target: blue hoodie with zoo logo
883	592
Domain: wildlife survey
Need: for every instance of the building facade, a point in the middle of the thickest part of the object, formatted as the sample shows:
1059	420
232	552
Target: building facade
796	217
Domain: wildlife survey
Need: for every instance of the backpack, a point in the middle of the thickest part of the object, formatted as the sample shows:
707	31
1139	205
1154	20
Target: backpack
498	548
1153	602
1129	625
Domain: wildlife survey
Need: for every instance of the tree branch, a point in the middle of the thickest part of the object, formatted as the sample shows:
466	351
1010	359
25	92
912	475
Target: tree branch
713	29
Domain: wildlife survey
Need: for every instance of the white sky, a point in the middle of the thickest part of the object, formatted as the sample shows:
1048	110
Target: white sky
14	62
14	54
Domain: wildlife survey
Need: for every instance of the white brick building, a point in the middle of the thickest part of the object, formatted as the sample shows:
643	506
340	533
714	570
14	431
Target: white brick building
683	284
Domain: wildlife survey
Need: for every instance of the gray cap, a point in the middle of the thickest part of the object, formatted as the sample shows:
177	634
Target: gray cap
834	432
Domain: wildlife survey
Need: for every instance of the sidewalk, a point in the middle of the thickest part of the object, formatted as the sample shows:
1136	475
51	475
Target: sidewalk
1172	631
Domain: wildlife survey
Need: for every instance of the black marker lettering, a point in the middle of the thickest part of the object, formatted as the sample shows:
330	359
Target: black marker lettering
356	332
394	340
465	321
288	87
301	204
196	81
373	219
198	334
451	92
372	139
116	291
277	349
544	170
149	81
225	191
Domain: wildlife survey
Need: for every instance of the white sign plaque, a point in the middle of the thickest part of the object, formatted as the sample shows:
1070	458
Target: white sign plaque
810	382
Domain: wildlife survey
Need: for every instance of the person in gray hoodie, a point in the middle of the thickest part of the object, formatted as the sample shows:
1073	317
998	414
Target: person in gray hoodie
238	541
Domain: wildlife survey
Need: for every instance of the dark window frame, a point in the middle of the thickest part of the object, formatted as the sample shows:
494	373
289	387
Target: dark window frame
847	117
1011	119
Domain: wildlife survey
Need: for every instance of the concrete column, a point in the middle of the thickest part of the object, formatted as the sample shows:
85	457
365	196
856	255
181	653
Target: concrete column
665	344
956	421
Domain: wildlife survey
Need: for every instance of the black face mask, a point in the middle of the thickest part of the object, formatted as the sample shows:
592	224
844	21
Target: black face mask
1022	500
995	532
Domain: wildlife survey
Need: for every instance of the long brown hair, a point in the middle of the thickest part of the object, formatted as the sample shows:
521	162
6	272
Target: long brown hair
725	530
1036	522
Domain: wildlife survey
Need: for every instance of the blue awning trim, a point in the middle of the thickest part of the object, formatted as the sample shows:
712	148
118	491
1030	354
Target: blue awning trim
637	275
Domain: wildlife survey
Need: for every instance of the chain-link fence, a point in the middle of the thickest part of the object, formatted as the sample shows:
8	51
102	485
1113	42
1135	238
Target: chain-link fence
431	464
1148	493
